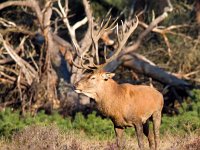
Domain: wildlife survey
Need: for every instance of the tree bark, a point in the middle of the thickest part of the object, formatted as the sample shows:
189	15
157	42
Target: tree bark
149	69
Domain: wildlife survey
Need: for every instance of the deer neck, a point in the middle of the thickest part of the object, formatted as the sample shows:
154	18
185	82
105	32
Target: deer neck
107	97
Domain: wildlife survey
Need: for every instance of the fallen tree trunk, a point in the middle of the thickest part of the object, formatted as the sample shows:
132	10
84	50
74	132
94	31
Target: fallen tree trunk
143	67
149	69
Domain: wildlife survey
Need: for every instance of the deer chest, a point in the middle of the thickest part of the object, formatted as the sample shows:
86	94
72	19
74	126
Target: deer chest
123	121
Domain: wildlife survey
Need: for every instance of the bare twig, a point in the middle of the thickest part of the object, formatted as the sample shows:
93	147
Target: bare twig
164	31
7	76
27	69
71	29
20	93
28	3
7	23
85	41
152	25
4	68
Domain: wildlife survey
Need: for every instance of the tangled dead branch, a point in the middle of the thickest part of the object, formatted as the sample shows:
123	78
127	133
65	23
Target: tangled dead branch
36	74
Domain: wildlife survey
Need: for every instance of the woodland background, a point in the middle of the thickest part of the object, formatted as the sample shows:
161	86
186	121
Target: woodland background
40	42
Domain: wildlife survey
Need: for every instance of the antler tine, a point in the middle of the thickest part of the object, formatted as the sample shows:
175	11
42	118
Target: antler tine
105	55
88	66
95	38
86	62
126	34
85	66
104	27
76	65
121	39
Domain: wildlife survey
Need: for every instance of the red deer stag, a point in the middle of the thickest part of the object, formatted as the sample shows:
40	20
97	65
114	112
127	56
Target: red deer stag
125	104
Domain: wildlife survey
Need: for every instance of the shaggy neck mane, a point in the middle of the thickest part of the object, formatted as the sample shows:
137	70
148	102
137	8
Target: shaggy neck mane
108	97
108	90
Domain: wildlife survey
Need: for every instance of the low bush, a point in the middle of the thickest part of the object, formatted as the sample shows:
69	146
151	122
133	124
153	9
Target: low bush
11	121
189	118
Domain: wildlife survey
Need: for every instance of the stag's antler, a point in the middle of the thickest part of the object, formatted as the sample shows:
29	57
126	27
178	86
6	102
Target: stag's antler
122	36
90	59
95	36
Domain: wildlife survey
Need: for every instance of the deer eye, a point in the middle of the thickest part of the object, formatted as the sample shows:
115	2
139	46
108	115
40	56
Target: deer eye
92	78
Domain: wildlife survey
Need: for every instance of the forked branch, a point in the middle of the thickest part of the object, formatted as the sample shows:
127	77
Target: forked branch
27	69
151	26
72	29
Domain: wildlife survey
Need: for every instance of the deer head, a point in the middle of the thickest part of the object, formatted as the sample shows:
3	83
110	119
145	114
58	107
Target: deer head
92	84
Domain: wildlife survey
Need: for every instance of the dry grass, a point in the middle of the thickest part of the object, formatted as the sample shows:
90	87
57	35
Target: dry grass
51	138
187	142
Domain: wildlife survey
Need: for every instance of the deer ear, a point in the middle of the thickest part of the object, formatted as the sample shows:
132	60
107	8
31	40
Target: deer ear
108	75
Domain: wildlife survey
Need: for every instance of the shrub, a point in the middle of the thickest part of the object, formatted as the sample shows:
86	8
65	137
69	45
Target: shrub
94	126
11	121
189	119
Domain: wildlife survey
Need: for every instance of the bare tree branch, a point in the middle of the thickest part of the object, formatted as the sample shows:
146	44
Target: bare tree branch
71	30
152	25
27	69
84	43
33	4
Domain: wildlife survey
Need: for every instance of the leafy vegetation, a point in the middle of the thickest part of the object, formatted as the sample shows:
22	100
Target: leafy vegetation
189	118
95	127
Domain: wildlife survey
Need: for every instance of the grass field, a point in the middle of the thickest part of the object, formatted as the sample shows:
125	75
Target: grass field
51	138
54	132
